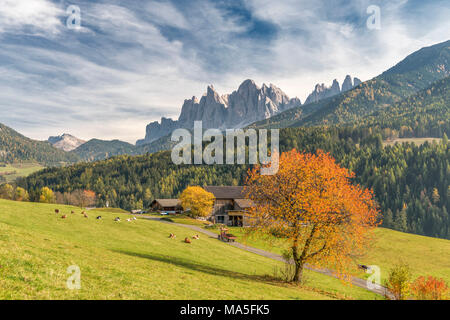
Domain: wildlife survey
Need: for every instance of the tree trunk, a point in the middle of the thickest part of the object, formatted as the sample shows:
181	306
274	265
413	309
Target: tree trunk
300	259
298	263
298	272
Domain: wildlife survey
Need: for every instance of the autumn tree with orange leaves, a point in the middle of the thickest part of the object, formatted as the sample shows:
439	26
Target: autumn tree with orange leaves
311	202
430	288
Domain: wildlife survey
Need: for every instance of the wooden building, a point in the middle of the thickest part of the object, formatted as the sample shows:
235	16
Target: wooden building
230	205
170	206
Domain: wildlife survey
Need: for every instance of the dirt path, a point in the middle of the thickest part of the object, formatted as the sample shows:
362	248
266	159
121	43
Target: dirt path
356	281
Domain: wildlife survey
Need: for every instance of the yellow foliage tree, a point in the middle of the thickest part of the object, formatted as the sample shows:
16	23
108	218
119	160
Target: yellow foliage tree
198	201
6	191
21	194
47	195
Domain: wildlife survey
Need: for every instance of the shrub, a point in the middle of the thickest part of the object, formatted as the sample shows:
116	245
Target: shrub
429	288
399	281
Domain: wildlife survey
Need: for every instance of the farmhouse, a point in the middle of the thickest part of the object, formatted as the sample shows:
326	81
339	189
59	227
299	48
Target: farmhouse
167	205
230	205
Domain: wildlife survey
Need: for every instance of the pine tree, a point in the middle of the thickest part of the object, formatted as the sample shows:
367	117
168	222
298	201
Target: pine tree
401	221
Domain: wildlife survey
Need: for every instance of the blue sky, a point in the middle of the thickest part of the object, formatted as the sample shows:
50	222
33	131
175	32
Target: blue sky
131	62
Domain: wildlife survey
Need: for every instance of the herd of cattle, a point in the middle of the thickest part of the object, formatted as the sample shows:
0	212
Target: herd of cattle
98	217
117	219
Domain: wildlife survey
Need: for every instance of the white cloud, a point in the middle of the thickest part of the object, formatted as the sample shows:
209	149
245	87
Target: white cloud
41	15
165	13
125	71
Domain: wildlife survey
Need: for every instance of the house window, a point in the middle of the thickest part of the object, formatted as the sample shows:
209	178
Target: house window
220	219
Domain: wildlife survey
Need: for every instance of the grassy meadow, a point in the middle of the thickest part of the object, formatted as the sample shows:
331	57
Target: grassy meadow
13	171
135	260
417	141
424	255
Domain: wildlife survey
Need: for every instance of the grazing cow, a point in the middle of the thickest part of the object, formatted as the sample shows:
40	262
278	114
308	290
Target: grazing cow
85	215
172	236
64	217
196	237
134	218
364	267
187	240
117	219
99	217
56	211
128	220
72	212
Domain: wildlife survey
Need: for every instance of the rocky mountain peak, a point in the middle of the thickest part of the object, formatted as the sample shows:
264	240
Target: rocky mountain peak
347	84
248	85
66	142
321	91
249	103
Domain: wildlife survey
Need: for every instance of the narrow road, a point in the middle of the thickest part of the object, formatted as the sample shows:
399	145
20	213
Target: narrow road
355	281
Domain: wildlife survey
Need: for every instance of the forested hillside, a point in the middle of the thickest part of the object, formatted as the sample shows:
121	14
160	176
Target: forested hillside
15	147
96	149
425	114
416	72
411	182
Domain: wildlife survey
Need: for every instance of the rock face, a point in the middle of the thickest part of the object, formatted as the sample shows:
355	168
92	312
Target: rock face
66	142
158	129
322	92
248	104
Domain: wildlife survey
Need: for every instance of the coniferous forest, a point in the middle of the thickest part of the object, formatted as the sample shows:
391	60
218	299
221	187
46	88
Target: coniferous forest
410	181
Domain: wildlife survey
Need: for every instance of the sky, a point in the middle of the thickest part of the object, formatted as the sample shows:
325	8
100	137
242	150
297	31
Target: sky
112	67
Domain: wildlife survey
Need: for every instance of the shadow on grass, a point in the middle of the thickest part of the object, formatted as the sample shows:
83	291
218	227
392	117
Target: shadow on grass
212	270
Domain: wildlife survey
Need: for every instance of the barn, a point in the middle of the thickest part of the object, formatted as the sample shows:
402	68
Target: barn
170	206
230	205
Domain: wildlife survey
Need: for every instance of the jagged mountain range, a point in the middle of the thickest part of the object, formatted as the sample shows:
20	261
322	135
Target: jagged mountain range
414	73
367	100
322	92
248	104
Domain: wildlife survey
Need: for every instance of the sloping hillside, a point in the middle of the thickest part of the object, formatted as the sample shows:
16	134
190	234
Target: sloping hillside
134	260
15	147
424	255
416	72
426	113
96	149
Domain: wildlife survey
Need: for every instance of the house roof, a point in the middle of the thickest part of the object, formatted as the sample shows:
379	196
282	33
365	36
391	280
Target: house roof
226	192
168	202
244	203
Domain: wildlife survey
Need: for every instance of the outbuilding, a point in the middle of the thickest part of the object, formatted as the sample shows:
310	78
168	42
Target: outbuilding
170	206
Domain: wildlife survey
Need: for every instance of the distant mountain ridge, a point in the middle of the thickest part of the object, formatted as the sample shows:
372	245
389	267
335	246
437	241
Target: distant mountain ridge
96	149
66	142
374	99
322	92
14	147
414	73
249	103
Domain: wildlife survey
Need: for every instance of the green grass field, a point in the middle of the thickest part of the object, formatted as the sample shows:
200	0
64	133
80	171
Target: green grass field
424	255
417	141
135	260
184	219
13	171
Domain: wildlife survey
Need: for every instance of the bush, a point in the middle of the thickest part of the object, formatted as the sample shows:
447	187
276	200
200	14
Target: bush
399	281
7	192
429	288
